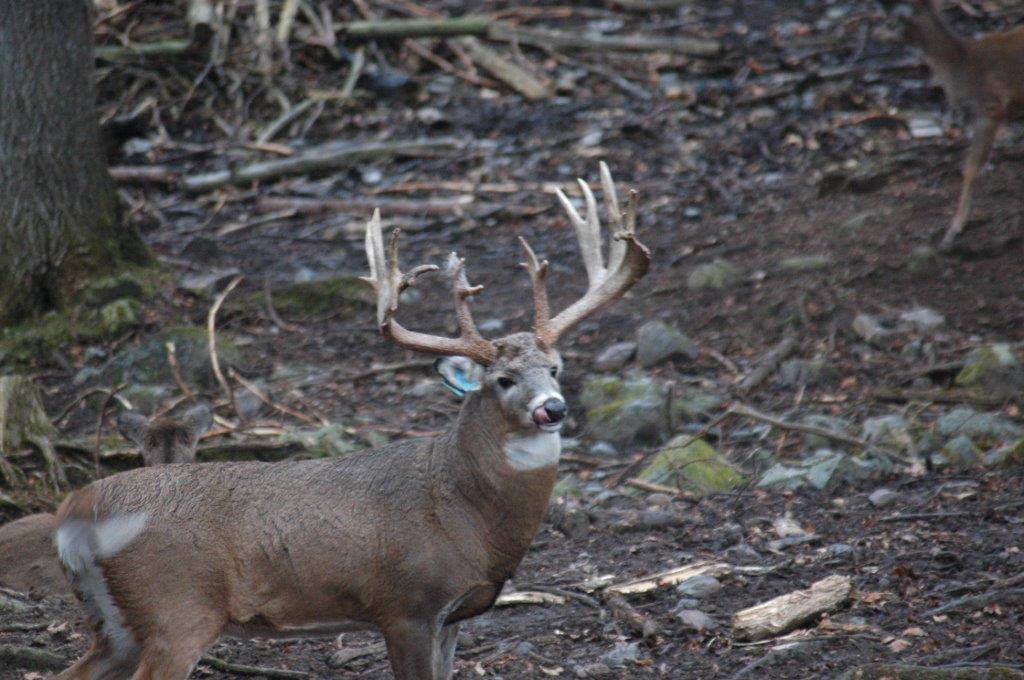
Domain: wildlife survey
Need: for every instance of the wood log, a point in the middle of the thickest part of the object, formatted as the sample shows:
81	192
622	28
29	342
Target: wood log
396	29
325	157
789	611
529	85
563	40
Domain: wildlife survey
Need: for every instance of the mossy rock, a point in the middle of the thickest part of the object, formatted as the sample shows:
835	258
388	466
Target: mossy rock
696	467
715	275
120	314
344	294
694	403
131	285
993	370
146	363
625	411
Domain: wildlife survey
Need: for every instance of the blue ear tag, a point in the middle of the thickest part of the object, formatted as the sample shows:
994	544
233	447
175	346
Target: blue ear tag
461	385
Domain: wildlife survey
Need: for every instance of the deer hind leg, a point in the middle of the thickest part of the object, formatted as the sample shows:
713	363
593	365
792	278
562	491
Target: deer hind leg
166	656
977	153
101	662
445	658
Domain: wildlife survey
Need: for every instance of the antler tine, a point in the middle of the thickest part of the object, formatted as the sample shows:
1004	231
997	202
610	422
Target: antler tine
462	291
388	283
628	262
538	271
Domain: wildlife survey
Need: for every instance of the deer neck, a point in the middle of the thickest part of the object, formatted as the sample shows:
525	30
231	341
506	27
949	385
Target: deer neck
942	48
503	499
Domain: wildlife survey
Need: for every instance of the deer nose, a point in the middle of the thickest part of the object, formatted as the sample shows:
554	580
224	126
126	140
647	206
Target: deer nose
555	409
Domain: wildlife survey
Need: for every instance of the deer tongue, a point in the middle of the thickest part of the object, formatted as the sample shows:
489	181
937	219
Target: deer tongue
540	416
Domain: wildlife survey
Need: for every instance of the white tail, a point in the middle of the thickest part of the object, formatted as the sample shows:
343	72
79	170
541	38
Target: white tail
410	539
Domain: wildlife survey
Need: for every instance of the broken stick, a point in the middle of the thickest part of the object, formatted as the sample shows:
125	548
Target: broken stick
789	611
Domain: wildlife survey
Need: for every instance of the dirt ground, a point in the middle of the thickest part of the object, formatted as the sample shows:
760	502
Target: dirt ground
795	141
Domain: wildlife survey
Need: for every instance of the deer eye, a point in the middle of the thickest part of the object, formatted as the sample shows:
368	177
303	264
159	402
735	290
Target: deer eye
506	383
554	371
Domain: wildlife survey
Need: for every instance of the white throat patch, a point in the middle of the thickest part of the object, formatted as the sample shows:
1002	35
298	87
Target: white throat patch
533	451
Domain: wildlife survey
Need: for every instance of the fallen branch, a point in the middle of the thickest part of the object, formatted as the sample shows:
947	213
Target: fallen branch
564	40
30	658
767	364
326	157
528	597
211	329
415	28
786	612
638	623
777	423
529	85
144	174
240	669
668	578
147	49
1009	595
322	206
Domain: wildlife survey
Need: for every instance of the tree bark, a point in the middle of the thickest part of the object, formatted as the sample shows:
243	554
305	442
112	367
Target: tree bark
60	220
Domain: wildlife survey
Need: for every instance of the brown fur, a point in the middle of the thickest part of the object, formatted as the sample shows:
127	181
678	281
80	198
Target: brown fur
28	560
981	77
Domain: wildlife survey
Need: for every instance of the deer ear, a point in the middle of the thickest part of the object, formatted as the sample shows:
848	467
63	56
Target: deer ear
132	427
197	420
459	374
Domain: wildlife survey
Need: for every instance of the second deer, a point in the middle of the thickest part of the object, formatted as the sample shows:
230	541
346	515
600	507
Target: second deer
409	539
982	77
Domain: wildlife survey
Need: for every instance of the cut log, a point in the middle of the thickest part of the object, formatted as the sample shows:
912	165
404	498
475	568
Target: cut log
789	611
527	597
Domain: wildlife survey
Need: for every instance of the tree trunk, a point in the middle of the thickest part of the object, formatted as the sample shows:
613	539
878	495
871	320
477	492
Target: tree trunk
60	220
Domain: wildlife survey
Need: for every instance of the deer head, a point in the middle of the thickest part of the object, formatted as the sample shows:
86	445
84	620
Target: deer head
166	440
519	372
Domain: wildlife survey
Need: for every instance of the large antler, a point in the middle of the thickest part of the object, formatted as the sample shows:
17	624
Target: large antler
388	282
628	261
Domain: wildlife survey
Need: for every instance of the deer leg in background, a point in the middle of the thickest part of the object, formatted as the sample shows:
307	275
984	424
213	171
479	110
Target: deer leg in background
981	143
412	648
445	660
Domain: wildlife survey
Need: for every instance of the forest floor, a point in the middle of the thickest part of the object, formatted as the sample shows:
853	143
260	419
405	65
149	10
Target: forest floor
802	138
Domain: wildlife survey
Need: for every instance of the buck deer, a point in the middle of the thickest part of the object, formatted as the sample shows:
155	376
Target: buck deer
28	560
982	77
409	539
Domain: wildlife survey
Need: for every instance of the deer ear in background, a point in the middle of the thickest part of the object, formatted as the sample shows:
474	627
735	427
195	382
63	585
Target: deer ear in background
197	420
132	426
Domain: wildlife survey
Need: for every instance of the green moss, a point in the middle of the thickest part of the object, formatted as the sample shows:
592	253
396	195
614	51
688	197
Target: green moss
697	467
346	295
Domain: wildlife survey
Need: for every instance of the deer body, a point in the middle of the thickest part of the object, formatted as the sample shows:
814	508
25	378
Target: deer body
981	77
28	560
410	538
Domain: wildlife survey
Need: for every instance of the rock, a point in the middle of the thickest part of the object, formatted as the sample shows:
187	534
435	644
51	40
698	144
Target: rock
594	670
603	449
744	553
964	420
694	619
922	320
807	263
146	363
960	451
783	476
693	403
716	275
120	314
994	370
826	469
659	500
697	467
654	520
621	655
99	292
842	551
797	372
248	403
923	260
831	423
786	527
883	497
869	327
524	648
657	342
888	432
207	283
571	521
613	357
625	411
1005	456
699	586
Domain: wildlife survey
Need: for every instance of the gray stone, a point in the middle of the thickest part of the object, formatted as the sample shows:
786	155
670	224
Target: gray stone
839	551
657	342
807	263
964	420
783	476
831	423
744	553
869	327
621	655
825	469
803	372
659	500
603	449
693	403
883	497
994	370
594	670
205	284
922	320
654	520
699	586
891	432
625	411
248	403
686	603
715	275
960	451
524	648
695	619
1006	456
614	357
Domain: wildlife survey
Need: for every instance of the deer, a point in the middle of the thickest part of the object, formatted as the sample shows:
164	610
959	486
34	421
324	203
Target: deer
408	539
981	78
28	559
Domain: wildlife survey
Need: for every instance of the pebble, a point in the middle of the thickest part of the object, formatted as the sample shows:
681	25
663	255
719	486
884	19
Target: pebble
699	586
695	619
621	654
614	357
883	497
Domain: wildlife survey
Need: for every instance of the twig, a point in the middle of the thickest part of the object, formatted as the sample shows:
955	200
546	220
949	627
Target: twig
211	329
111	395
747	412
284	119
272	311
529	85
287	410
1015	595
767	364
658	488
354	71
172	363
918	516
286	20
547	39
415	28
240	669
